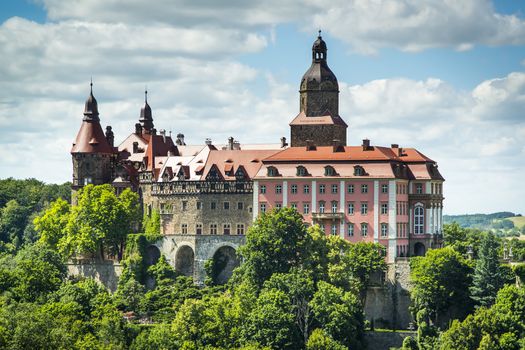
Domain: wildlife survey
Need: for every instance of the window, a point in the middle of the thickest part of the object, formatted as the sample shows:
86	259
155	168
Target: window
306	208
351	208
333	230
213	229
350	229
306	189
321	207
418	220
184	205
364	208
272	171
350	189
384	230
263	207
263	189
240	205
384	208
213	205
198	229
364	188
419	188
294	206
184	229
329	171
226	229
199	205
364	229
358	170
322	188
384	188
293	189
334	188
278	205
240	229
226	205
301	171
334	207
278	189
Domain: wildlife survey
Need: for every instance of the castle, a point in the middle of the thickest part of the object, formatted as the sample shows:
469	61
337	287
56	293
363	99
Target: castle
208	195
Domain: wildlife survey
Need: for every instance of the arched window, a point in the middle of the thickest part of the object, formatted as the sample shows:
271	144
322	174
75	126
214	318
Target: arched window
419	219
301	171
272	171
329	170
359	171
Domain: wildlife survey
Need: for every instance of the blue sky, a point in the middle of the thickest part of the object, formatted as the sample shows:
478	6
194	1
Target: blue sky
443	76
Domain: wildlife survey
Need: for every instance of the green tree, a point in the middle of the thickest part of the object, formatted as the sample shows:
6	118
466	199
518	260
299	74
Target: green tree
319	340
13	219
440	283
53	222
501	326
272	321
276	242
339	314
488	276
453	233
38	271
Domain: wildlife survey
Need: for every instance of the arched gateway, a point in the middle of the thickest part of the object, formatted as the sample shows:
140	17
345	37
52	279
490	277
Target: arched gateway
189	254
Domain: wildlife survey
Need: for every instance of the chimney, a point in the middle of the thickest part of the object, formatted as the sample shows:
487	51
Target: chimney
153	131
366	144
207	142
283	142
110	137
138	129
135	147
180	140
310	145
400	152
337	146
163	133
236	145
394	145
230	143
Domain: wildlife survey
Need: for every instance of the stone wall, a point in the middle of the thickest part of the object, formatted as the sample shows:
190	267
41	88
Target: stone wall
387	305
386	340
320	135
105	272
205	209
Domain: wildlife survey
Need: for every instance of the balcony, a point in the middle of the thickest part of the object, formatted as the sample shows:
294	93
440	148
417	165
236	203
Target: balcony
328	216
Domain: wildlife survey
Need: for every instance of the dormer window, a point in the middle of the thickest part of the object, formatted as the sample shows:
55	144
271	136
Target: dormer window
329	171
359	171
301	171
272	171
240	174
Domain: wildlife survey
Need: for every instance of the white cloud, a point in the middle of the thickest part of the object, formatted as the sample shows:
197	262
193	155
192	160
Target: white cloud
410	25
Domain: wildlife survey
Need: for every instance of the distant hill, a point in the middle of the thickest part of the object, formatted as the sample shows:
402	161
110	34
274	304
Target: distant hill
504	223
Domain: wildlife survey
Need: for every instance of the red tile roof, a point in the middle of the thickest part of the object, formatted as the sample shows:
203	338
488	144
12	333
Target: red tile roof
91	139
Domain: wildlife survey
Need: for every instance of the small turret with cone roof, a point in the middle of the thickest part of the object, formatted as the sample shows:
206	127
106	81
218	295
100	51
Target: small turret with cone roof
146	117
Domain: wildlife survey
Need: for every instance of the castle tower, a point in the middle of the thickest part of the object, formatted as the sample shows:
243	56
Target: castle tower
92	152
318	120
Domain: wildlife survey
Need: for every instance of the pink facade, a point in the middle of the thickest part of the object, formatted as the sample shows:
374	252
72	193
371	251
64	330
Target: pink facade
359	199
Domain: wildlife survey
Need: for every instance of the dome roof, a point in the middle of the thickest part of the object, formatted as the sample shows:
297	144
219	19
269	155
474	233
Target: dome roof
319	76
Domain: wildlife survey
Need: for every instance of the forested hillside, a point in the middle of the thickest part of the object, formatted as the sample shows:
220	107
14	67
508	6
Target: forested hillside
20	202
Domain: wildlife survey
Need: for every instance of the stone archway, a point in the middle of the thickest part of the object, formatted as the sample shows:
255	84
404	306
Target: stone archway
184	260
419	249
225	260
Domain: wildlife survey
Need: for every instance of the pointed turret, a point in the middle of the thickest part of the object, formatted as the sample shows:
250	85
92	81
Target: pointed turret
146	117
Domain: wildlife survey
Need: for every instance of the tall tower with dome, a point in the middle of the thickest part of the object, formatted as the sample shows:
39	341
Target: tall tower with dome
318	120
